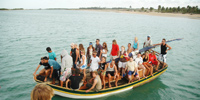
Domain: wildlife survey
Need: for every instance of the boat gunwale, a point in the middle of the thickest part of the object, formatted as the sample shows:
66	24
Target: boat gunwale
83	93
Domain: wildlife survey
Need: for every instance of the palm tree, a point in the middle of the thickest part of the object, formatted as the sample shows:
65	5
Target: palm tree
159	7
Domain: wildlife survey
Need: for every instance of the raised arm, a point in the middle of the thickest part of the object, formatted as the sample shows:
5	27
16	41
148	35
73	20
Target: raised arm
156	44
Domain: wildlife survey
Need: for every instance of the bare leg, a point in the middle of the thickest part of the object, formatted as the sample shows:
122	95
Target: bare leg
47	72
157	66
117	78
61	83
142	67
151	69
103	80
84	74
129	78
53	82
163	65
42	72
109	85
148	69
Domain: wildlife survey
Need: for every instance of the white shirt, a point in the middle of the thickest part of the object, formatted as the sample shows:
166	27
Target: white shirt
148	43
139	60
94	63
134	54
66	61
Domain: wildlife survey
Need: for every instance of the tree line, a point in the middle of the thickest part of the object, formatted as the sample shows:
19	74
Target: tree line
189	9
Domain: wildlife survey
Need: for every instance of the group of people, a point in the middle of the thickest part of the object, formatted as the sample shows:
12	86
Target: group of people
122	62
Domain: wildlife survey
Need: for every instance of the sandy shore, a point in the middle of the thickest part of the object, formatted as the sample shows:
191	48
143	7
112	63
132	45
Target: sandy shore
194	16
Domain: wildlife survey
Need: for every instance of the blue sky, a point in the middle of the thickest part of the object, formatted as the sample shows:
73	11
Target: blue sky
95	3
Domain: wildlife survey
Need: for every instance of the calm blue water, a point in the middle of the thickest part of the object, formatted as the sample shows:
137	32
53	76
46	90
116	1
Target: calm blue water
24	36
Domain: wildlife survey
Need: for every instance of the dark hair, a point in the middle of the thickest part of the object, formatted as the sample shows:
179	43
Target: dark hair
81	47
139	52
129	43
77	71
105	46
48	49
45	58
164	39
114	41
104	57
98	39
73	72
113	60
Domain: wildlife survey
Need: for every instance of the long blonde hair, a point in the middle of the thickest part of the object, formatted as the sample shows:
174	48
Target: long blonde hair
42	92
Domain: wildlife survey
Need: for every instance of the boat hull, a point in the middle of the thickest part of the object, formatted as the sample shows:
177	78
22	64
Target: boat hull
81	94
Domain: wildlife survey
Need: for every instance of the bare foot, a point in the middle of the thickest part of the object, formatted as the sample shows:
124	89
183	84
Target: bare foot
45	79
104	88
109	86
139	79
116	84
151	74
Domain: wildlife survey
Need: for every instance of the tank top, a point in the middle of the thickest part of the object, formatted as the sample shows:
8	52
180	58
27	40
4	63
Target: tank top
104	55
122	58
73	54
110	69
163	49
82	60
144	60
135	45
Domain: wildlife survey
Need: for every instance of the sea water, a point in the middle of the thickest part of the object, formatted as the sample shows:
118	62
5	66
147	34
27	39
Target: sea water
25	34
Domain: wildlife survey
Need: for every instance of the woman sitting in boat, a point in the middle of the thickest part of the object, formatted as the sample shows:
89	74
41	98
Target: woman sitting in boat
146	64
45	71
102	70
82	66
95	81
111	70
131	68
153	60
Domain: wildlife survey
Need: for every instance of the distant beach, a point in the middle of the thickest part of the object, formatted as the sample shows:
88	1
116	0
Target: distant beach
193	16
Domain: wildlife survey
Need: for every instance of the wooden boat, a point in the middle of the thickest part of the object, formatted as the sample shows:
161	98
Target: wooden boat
123	85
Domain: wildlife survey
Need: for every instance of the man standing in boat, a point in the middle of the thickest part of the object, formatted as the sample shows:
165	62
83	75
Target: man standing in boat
98	48
74	54
163	55
148	42
51	54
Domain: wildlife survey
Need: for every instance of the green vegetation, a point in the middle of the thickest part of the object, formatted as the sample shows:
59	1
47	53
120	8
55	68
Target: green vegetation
12	9
183	10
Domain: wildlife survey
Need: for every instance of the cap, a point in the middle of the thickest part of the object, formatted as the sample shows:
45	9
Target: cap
149	36
90	43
